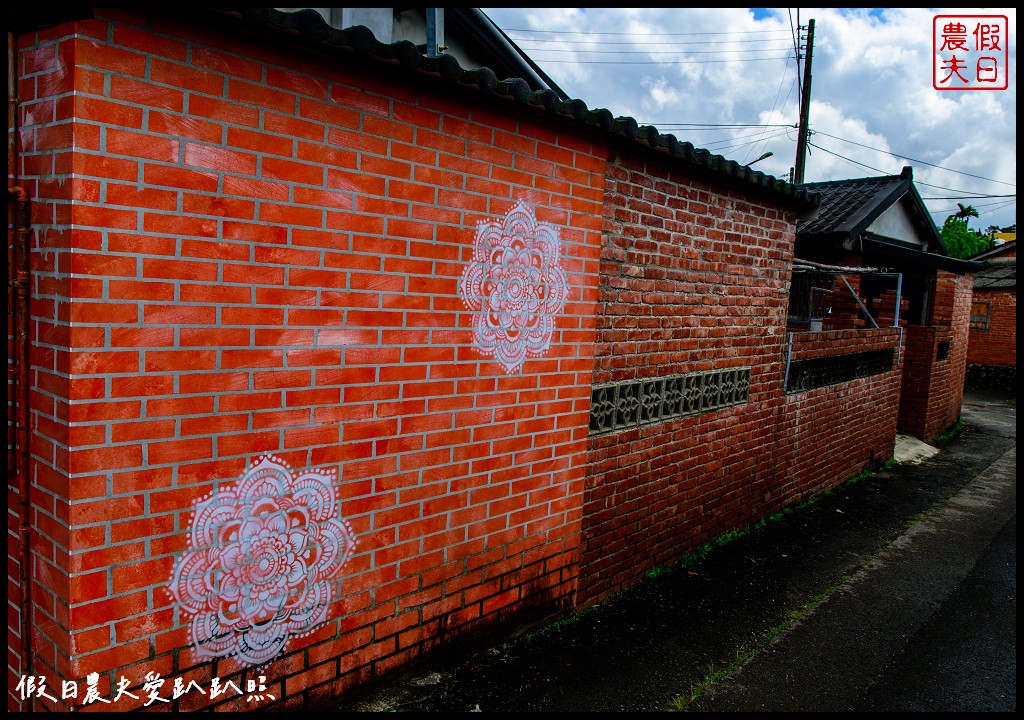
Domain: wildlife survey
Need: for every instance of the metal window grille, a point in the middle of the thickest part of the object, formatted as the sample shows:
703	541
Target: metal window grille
807	293
619	406
820	372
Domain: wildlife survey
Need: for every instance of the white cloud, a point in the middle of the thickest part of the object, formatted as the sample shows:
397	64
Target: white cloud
660	94
872	85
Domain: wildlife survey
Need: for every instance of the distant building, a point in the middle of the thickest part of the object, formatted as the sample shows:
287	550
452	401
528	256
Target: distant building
992	343
879	231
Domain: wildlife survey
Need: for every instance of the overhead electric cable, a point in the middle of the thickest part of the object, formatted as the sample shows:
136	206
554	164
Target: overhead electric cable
924	184
796	53
914	160
654	34
640	40
663	62
715	126
775	104
655	52
968	197
997	206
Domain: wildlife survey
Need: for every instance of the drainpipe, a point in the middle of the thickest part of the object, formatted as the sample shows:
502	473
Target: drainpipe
18	286
789	356
435	32
896	317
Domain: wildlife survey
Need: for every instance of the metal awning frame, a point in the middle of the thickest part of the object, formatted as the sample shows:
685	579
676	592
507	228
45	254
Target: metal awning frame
842	271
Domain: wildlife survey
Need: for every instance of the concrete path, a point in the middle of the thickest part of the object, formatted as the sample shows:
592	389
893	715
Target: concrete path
927	625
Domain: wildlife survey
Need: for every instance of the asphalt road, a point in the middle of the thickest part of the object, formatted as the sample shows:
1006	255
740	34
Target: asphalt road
897	592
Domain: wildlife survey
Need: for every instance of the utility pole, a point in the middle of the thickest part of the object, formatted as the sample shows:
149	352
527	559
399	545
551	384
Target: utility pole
805	108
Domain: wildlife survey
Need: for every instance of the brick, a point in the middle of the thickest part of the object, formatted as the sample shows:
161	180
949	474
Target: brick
262	96
146	197
219	206
177	177
149	43
260	142
110	113
106	217
227	63
186	77
107	265
178	269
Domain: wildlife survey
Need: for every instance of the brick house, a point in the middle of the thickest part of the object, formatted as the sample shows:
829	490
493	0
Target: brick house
330	354
992	342
881	224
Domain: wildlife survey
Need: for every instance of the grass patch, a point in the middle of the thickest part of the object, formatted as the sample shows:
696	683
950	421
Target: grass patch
744	654
958	427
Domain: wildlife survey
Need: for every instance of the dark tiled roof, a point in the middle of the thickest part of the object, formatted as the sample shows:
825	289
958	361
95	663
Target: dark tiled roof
998	250
308	28
1001	274
849	206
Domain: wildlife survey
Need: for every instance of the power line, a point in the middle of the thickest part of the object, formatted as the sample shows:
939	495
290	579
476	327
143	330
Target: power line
923	184
1004	205
998	206
641	40
663	62
714	126
656	52
740	145
645	34
782	81
774	133
796	53
968	197
914	160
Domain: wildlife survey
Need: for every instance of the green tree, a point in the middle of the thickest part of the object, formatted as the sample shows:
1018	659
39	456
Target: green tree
960	240
965	212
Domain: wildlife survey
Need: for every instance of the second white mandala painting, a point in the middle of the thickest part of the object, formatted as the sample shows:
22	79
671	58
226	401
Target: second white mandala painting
515	286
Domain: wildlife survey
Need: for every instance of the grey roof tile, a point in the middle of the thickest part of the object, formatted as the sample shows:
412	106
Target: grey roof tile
1001	275
309	27
846	203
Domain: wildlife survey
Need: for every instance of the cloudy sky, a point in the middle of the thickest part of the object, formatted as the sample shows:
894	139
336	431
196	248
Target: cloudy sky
725	79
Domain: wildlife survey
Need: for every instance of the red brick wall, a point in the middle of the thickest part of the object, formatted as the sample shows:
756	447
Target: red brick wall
933	385
46	80
996	345
270	286
264	258
829	434
693	278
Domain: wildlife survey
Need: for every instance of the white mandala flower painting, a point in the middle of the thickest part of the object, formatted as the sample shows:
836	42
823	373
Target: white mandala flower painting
263	558
515	286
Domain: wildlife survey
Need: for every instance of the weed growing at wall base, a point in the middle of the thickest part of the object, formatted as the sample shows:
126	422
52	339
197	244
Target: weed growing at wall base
745	654
958	427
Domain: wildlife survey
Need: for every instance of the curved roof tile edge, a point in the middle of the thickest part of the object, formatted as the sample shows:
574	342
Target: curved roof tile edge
310	25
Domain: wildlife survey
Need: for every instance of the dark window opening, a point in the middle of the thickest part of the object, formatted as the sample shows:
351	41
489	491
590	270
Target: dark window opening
980	315
808	295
